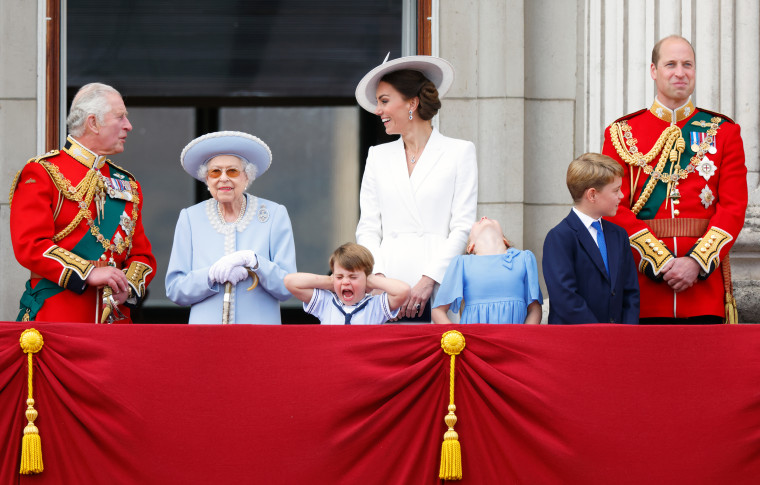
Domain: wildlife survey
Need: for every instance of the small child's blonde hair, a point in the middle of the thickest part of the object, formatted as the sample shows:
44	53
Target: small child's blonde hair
353	257
591	170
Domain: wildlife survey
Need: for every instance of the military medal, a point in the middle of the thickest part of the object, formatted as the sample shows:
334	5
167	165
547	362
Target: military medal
698	138
118	189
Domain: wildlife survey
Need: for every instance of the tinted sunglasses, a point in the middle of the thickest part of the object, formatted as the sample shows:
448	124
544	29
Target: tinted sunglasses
215	173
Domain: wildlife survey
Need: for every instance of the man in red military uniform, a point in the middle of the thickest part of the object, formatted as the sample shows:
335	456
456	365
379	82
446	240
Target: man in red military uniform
685	195
75	221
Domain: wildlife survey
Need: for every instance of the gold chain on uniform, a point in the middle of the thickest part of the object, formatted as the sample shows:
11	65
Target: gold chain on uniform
83	195
621	135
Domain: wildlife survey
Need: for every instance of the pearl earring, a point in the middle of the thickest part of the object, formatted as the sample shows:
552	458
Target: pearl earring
410	115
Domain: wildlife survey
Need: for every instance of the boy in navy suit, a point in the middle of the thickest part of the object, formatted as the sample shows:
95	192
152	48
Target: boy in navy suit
588	266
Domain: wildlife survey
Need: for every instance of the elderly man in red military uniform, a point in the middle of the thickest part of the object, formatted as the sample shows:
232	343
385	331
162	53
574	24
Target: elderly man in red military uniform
685	195
75	220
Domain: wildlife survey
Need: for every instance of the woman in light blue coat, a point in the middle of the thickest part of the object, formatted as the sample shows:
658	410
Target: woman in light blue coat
234	241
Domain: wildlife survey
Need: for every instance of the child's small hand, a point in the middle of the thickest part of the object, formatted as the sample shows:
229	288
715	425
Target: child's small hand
372	283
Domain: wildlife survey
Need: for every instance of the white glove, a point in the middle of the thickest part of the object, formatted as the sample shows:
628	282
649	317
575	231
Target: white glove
221	270
238	274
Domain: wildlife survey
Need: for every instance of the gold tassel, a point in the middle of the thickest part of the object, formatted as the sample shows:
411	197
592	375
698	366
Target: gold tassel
31	445
673	156
732	314
452	343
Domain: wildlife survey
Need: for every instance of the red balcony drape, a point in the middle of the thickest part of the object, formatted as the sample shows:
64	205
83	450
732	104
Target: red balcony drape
590	404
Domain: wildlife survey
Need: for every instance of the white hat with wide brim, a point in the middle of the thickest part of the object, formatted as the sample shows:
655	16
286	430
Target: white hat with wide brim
439	71
243	145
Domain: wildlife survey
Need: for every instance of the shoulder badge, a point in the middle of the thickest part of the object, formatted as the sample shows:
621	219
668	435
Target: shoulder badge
715	113
37	159
630	115
131	177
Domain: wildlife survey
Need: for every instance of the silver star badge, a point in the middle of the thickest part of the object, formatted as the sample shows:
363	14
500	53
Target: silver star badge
706	168
126	222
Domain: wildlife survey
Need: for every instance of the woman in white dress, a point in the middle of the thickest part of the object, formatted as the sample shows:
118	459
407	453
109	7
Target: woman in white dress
234	237
419	193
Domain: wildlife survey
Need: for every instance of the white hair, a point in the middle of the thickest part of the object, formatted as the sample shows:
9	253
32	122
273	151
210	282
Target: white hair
249	169
91	99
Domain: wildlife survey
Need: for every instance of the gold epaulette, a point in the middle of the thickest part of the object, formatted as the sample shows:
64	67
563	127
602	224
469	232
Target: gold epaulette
49	154
708	247
653	252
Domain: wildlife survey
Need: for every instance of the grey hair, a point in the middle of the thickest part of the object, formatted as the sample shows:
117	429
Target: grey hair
249	169
91	99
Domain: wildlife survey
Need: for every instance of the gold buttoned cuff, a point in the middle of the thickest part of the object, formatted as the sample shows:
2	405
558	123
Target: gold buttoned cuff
653	252
707	250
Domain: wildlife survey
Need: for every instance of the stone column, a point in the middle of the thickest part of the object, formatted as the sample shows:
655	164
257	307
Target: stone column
551	84
18	129
484	40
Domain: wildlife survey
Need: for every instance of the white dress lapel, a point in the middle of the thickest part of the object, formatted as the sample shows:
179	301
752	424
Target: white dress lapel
399	174
428	160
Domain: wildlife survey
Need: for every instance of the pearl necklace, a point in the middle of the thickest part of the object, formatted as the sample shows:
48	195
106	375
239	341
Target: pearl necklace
240	214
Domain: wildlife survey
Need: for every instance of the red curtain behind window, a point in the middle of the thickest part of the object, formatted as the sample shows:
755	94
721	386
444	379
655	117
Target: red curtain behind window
593	404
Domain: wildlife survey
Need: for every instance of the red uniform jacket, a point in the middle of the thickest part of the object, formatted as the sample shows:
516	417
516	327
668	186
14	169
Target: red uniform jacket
703	215
49	196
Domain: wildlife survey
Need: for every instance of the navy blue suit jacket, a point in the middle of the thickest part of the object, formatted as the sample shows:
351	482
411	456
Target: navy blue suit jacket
580	291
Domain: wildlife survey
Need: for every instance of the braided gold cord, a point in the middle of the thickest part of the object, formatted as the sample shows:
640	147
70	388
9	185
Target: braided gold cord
670	145
451	379
30	361
88	186
647	192
617	134
13	188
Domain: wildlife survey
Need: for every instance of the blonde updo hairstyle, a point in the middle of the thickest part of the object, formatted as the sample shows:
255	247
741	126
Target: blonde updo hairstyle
410	84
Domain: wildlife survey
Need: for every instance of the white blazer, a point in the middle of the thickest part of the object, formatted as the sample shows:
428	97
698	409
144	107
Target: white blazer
415	225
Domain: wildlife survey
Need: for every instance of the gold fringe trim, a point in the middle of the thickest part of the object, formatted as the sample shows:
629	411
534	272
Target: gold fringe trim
31	445
452	342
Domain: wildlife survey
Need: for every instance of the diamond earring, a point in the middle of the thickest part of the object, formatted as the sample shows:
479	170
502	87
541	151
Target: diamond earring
410	115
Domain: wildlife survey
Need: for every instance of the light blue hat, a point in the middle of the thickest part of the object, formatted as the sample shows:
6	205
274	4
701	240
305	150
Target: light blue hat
204	148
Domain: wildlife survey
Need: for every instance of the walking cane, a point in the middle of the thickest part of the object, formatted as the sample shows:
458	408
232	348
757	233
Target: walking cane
228	296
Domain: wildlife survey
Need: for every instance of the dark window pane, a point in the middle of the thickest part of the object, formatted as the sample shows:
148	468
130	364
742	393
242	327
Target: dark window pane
230	48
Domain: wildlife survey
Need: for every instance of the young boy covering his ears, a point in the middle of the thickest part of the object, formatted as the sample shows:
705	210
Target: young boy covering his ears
344	298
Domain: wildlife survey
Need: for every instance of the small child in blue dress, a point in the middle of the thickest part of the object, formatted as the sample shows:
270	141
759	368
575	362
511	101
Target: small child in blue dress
495	282
344	298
